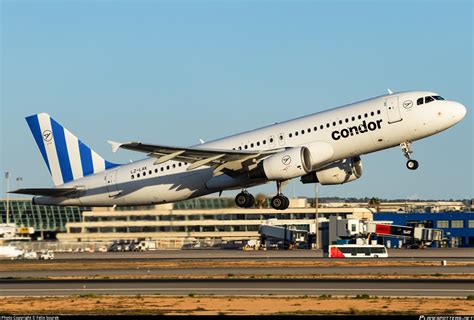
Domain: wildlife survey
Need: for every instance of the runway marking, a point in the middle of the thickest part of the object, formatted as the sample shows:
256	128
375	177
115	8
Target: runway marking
237	289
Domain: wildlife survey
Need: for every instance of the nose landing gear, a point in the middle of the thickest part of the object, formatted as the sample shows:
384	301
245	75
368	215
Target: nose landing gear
407	151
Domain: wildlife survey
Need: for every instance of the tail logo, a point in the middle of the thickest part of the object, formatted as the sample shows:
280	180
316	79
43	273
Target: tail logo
47	135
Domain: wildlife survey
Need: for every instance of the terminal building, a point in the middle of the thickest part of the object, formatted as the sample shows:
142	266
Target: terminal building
213	220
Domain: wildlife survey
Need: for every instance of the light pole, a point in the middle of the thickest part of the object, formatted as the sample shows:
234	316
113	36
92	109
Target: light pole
316	218
18	180
7	178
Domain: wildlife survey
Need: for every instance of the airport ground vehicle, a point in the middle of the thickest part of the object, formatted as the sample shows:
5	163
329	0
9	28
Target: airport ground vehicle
46	255
357	251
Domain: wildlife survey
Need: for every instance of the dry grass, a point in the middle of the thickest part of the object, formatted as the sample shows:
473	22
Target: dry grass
211	305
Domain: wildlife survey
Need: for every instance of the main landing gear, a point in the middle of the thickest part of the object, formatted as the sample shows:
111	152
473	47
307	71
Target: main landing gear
278	202
244	199
407	151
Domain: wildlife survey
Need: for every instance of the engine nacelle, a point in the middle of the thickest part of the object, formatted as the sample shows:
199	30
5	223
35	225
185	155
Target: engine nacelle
288	164
339	172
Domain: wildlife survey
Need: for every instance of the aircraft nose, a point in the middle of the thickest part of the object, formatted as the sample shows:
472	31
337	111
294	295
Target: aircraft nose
459	111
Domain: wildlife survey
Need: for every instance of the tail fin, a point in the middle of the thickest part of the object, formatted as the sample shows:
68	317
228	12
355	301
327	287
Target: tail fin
66	157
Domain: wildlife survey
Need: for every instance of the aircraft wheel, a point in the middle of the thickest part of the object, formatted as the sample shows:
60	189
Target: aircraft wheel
412	164
241	200
279	202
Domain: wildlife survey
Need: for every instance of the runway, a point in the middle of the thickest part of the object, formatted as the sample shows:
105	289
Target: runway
386	287
216	254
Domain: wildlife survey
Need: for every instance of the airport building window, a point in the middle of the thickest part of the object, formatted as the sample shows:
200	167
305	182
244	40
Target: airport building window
457	224
121	229
92	230
470	224
75	230
442	224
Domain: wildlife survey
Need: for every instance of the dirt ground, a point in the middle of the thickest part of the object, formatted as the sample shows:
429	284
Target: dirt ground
212	305
7	265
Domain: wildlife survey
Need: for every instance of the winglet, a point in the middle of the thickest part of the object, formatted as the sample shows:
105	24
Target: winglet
115	145
389	91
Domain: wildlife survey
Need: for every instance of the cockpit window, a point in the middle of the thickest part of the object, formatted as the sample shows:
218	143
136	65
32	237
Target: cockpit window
438	98
419	101
429	99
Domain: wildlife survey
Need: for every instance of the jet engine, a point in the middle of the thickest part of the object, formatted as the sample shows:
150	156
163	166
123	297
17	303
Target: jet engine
338	172
288	164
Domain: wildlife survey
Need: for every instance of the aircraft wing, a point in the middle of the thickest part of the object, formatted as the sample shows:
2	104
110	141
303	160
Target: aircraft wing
220	159
53	192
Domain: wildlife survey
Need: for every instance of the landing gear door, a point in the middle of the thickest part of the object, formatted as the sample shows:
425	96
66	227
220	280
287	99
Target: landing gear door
111	183
393	110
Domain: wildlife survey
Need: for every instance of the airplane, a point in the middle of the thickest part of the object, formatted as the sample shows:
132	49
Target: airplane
325	148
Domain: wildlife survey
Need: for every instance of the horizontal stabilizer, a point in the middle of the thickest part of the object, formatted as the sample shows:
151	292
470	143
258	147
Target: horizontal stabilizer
52	192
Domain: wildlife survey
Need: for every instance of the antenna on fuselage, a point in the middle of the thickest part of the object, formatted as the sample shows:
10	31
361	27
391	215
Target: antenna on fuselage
389	91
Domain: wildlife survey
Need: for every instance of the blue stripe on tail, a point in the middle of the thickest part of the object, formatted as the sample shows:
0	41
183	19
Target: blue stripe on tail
61	149
34	125
86	159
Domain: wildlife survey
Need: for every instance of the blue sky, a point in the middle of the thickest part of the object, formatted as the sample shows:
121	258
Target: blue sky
174	72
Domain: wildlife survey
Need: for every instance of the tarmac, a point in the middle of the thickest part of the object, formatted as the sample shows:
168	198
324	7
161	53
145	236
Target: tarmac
239	287
397	254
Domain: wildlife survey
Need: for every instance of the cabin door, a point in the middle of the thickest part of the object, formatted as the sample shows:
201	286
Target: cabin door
393	110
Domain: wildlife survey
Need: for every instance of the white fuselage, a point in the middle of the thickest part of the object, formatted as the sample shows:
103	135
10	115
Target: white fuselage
352	130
